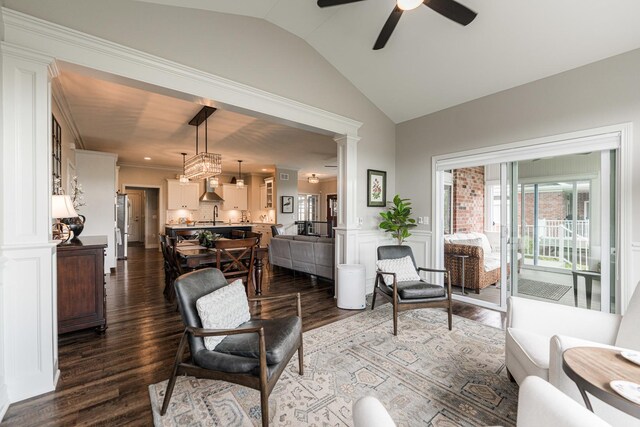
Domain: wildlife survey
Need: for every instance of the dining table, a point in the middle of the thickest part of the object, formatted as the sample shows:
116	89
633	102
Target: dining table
195	255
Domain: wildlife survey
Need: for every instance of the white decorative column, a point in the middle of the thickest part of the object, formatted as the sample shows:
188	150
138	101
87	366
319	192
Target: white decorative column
346	231
28	330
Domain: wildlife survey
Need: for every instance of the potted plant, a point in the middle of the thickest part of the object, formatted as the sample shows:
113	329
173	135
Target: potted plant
397	219
207	238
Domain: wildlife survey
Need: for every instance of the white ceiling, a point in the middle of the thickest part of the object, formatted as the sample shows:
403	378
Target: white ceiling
431	63
136	123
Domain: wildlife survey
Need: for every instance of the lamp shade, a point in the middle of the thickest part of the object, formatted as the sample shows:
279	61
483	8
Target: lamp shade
62	207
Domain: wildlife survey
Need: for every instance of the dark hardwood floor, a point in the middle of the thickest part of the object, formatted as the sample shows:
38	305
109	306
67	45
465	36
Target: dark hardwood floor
104	379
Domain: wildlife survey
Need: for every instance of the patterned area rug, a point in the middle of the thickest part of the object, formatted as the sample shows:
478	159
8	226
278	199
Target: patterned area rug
545	290
424	376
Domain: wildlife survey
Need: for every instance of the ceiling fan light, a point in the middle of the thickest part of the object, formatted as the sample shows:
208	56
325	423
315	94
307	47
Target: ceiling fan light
409	4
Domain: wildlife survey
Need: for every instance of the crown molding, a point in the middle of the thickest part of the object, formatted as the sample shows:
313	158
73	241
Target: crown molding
58	96
74	46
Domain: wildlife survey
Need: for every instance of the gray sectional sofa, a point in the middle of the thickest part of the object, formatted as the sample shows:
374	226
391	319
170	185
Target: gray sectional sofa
308	254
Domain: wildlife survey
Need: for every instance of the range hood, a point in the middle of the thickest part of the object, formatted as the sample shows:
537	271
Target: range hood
209	194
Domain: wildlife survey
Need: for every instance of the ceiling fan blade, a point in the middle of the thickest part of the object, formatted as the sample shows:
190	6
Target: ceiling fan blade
388	28
452	10
327	3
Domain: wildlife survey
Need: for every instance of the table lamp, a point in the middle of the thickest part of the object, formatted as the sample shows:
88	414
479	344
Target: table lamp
62	207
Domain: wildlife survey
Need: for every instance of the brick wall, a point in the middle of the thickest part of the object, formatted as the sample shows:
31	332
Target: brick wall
468	200
552	206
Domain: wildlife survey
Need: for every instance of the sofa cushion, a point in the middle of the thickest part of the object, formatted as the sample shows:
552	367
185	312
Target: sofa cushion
281	336
306	238
403	267
225	308
531	349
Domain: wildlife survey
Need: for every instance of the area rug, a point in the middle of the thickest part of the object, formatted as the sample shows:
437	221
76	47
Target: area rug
544	290
427	375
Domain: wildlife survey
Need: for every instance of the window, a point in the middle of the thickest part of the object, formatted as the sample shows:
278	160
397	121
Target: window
308	207
448	203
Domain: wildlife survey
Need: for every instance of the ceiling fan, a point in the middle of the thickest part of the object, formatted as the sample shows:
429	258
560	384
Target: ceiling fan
447	8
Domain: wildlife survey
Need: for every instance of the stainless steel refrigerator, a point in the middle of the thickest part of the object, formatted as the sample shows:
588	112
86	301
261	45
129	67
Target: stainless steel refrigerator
122	225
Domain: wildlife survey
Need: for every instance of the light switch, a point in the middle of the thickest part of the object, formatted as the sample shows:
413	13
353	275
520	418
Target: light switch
419	220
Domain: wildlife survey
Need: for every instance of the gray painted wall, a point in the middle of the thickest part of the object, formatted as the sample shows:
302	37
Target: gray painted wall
599	94
243	49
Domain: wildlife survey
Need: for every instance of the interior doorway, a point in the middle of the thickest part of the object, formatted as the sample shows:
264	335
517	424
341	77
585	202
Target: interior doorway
143	216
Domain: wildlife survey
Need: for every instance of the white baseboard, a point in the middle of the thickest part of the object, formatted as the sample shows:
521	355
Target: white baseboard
4	401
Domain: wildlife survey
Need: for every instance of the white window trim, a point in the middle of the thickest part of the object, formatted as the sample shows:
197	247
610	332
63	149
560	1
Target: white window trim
619	136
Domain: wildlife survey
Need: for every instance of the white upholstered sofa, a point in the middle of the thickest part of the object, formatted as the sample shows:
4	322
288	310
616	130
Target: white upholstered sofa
539	332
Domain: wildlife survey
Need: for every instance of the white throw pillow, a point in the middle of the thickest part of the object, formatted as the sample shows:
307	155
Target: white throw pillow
470	242
225	308
403	267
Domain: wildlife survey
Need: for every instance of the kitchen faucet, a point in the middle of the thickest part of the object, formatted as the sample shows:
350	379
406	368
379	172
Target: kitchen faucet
215	214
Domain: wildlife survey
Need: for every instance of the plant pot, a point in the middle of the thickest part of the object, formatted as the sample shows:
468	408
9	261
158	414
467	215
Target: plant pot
75	224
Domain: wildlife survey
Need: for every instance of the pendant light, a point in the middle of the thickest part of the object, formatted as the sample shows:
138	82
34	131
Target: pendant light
183	178
240	181
203	165
213	182
313	179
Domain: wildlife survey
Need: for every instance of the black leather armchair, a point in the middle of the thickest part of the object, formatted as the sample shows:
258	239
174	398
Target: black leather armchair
253	355
410	294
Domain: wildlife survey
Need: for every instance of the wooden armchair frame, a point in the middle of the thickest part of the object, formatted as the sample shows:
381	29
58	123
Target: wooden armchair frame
262	383
401	305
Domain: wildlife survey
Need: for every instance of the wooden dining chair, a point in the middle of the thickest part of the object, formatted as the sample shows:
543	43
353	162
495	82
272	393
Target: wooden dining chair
187	234
235	257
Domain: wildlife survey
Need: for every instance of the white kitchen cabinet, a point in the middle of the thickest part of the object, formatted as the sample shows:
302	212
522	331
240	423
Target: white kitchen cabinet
182	196
234	198
266	194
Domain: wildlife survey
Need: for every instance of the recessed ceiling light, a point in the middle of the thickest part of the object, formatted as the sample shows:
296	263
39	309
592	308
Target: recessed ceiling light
147	158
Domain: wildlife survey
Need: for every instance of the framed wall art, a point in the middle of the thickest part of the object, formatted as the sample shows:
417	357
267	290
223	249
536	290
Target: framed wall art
376	188
286	205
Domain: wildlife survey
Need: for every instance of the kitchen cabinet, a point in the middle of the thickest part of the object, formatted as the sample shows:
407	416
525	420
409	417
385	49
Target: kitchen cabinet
182	196
82	297
265	230
234	198
266	194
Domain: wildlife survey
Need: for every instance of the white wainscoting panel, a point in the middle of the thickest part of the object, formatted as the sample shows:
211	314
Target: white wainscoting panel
29	328
369	240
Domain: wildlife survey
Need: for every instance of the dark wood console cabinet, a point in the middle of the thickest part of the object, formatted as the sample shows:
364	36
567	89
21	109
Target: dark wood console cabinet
81	284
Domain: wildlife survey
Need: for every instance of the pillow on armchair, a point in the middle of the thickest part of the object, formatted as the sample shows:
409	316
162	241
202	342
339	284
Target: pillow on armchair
225	308
403	267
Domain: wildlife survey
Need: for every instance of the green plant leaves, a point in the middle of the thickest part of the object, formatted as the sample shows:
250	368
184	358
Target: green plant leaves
397	219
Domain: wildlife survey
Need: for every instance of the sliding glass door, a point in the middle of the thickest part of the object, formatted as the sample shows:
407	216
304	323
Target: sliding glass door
539	228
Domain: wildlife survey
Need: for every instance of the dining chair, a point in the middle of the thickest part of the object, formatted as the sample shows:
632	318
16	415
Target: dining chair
235	258
187	234
414	293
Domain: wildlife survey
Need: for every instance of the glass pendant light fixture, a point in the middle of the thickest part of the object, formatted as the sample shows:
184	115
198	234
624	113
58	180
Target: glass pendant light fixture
183	178
313	179
213	182
240	181
203	165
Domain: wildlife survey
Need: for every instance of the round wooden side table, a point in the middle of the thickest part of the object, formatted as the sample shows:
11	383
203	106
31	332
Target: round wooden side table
593	368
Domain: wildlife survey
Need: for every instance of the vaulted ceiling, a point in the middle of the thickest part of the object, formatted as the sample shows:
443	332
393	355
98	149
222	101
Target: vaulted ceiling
431	63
